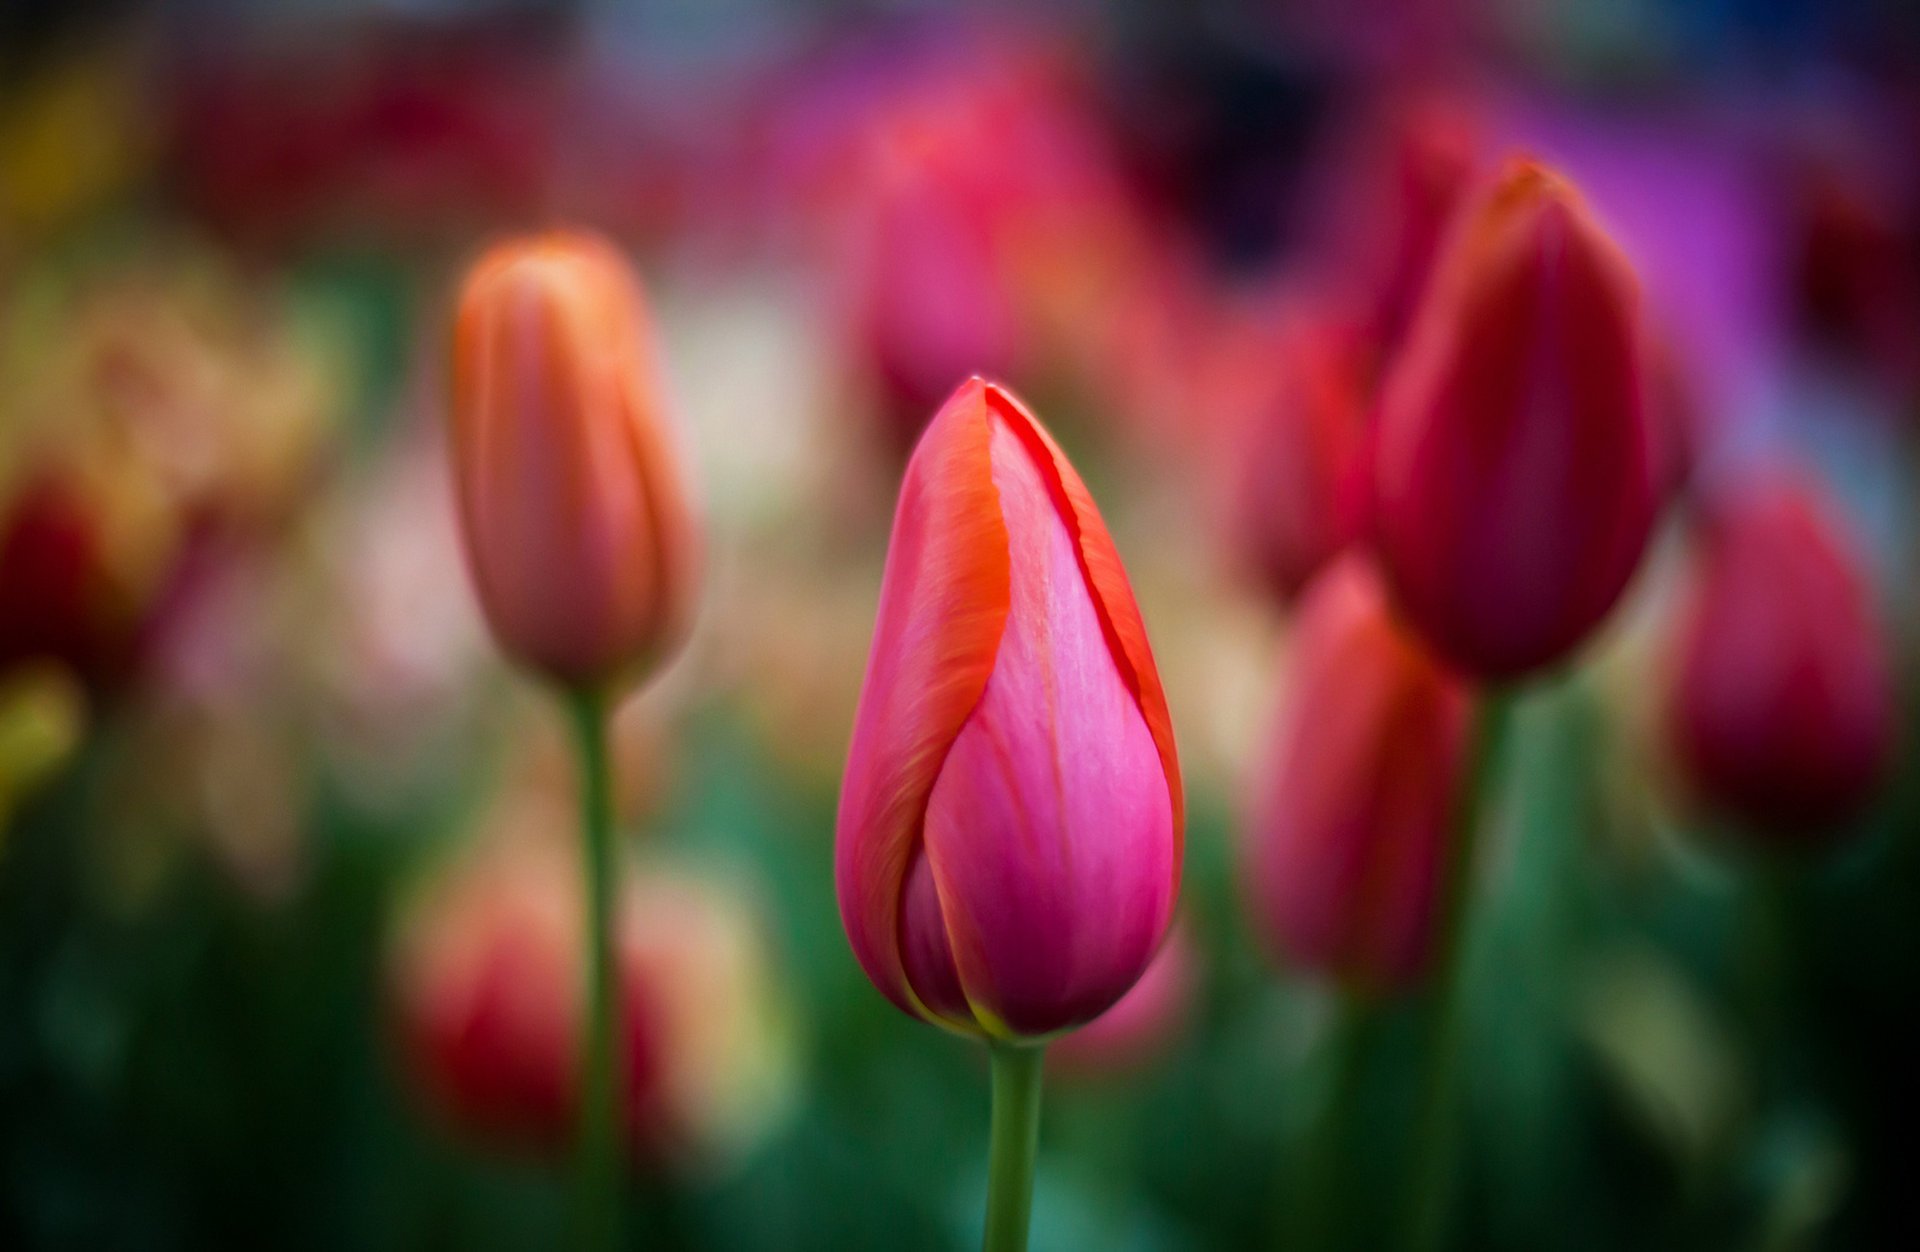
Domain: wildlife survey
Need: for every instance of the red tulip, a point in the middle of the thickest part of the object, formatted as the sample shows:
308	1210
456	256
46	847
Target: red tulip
578	528
1782	708
1515	483
1010	829
488	988
1303	458
1348	841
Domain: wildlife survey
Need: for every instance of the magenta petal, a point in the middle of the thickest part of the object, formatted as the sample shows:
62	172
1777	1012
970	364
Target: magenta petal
925	952
1050	830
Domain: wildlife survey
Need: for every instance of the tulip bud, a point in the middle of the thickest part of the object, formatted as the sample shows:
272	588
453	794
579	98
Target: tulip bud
1348	840
1514	476
577	525
1010	828
1781	711
487	990
1303	459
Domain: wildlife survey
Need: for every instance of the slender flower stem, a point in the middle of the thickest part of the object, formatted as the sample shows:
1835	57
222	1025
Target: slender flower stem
1317	1215
601	1093
1014	1141
1436	1139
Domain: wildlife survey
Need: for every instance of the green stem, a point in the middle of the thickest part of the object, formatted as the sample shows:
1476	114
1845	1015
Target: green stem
601	1093
1013	1143
1318	1213
1436	1141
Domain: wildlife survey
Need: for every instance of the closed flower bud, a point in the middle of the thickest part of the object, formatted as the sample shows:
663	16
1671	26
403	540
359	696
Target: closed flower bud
1515	476
1357	799
577	524
1010	829
1781	711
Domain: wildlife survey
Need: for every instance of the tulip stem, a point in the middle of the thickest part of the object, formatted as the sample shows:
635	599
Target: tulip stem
1013	1143
1431	1166
598	1181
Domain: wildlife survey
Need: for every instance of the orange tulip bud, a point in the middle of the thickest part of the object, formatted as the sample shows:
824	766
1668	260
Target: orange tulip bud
578	527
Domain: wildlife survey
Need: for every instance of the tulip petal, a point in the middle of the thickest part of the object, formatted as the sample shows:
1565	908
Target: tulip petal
1112	595
1051	830
943	605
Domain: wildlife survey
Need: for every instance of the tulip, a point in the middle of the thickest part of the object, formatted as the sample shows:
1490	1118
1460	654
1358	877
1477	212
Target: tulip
1010	828
1782	707
581	543
1347	849
487	1002
577	525
1303	458
1515	480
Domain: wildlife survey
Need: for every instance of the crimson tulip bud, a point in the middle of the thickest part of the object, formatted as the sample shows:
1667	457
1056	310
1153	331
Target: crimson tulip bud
487	995
1303	458
1782	708
1515	475
578	528
1347	846
1010	829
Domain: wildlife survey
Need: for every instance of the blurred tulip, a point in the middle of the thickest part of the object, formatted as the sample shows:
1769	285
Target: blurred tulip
1302	459
1142	1024
1010	826
1514	483
1782	708
577	525
1856	268
1348	841
487	990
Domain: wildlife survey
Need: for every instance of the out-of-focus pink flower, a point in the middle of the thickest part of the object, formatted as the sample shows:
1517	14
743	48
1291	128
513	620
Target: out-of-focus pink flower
1782	705
1010	829
1401	174
1514	477
487	984
1142	1024
578	528
1302	456
1348	842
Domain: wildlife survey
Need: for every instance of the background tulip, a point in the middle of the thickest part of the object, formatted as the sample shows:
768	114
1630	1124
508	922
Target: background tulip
1358	795
1303	456
1515	479
488	999
1143	1024
577	524
1781	712
1009	837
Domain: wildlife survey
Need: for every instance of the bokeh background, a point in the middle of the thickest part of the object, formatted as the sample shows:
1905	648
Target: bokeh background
261	773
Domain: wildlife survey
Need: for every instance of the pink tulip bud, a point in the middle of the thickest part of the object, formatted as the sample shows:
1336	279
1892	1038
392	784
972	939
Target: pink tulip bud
1782	707
1515	483
1010	829
578	528
1348	840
